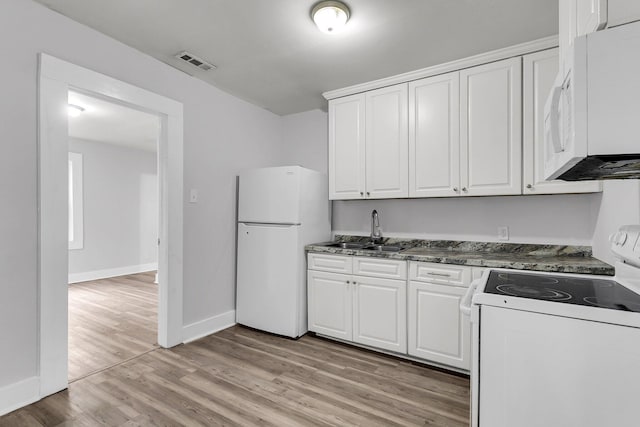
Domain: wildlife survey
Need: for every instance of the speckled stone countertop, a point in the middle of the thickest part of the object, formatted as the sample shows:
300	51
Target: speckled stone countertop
554	258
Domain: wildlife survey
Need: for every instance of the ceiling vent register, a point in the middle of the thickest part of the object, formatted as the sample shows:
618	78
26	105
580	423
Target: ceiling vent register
195	61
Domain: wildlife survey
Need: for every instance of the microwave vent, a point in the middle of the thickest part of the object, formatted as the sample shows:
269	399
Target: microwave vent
616	166
195	61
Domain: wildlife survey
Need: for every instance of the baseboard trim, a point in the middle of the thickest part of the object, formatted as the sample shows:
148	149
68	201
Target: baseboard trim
208	326
112	272
17	395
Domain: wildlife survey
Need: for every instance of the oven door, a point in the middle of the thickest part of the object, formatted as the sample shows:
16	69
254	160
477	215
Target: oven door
543	370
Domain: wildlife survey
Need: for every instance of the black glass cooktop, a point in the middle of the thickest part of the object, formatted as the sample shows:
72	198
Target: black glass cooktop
593	292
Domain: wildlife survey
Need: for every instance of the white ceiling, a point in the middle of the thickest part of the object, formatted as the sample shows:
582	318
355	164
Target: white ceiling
270	53
104	121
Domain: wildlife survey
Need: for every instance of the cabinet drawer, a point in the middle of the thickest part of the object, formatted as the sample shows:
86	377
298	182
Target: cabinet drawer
380	267
445	274
333	263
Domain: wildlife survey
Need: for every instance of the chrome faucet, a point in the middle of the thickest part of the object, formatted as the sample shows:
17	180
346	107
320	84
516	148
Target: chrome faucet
376	234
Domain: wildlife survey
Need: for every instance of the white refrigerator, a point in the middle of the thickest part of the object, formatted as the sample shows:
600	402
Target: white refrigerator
280	210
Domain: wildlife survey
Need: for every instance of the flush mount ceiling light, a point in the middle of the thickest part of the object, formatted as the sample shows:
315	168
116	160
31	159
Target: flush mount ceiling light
330	16
74	110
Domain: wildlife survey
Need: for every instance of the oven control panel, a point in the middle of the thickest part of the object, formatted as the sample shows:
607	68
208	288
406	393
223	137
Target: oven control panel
625	244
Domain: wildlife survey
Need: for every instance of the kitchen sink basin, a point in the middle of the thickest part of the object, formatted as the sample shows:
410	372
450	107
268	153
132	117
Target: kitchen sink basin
365	246
347	245
383	248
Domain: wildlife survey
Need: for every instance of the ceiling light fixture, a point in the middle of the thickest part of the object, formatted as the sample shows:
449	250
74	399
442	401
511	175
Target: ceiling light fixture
330	16
74	110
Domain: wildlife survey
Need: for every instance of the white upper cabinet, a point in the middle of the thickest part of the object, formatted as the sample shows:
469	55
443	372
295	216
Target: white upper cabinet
472	131
434	136
368	145
387	143
490	129
347	147
540	70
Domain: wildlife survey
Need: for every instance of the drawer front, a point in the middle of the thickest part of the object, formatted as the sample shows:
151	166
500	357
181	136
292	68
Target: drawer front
332	263
445	274
380	267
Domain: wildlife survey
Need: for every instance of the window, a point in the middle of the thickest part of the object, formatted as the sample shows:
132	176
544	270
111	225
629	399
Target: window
76	222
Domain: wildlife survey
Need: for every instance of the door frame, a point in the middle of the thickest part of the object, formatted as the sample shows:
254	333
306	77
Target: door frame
55	78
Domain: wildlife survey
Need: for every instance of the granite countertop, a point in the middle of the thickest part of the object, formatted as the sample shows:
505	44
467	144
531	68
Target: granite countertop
553	258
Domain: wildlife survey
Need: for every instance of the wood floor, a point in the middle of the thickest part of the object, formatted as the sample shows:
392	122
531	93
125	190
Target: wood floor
110	321
244	377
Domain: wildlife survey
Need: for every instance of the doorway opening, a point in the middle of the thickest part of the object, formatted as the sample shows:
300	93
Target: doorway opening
113	233
56	79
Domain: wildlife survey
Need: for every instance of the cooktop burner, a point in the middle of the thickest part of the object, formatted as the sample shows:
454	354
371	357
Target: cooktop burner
533	292
593	292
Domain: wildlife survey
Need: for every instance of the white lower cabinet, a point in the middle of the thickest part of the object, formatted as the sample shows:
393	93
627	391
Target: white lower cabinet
437	329
369	301
330	304
379	313
367	307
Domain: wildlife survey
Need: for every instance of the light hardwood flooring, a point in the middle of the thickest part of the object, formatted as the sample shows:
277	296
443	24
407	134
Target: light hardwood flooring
244	377
110	321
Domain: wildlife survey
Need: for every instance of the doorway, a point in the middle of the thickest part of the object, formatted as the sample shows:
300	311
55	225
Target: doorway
113	233
56	79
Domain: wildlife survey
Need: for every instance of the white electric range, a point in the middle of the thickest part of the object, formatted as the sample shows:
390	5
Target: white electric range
554	349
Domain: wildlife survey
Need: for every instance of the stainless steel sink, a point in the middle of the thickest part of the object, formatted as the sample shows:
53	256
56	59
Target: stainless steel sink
383	248
347	245
365	246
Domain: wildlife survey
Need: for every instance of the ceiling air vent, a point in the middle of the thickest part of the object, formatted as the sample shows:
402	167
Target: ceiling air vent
195	61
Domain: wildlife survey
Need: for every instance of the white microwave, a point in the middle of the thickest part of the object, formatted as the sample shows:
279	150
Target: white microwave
592	115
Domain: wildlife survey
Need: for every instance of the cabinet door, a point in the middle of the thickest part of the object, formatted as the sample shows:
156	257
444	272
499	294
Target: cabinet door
540	70
347	147
330	304
434	136
379	313
387	143
591	15
438	331
491	136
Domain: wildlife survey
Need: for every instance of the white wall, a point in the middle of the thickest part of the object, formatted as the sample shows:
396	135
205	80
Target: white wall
222	135
560	219
120	203
305	139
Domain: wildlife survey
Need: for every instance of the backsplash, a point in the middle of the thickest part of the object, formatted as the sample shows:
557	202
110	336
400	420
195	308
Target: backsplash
560	219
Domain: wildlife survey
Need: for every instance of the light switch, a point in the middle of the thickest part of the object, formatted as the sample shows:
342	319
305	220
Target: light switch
193	196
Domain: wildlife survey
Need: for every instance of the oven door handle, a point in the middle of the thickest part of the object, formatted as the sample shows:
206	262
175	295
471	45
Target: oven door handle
465	304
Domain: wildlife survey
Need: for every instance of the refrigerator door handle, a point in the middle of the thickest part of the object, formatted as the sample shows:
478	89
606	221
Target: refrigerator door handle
271	224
